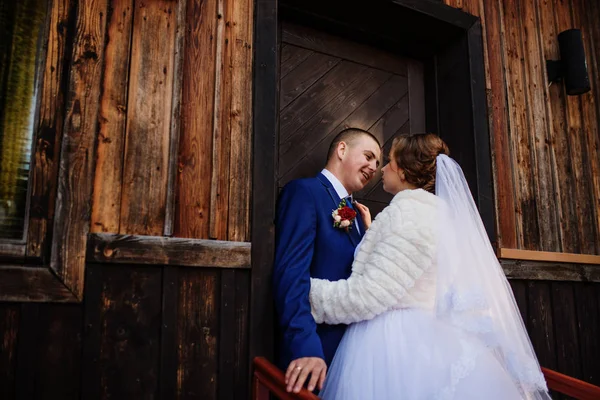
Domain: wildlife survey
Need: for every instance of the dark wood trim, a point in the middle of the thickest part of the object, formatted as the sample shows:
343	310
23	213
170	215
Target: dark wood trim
385	24
550	271
440	12
32	284
481	134
160	250
265	111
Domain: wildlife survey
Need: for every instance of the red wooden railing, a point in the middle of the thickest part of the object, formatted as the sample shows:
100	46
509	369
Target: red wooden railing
268	378
565	384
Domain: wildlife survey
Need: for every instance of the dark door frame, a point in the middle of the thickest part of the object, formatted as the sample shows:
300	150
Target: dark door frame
447	40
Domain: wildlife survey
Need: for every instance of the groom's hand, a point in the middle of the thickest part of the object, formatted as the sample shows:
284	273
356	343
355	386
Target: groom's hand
298	371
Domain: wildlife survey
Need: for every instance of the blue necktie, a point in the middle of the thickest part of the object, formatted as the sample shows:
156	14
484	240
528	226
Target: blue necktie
349	204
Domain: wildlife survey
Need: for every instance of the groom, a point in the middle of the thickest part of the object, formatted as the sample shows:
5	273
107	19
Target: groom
308	245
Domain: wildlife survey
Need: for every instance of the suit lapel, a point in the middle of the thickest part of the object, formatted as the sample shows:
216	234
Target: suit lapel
336	201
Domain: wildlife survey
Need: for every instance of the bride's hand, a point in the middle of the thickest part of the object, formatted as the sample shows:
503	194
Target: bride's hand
365	213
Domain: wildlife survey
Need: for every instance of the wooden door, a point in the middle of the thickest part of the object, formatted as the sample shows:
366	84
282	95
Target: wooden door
328	84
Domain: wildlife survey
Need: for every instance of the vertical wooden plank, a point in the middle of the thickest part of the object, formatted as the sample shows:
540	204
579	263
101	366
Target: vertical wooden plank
130	311
175	116
143	204
219	188
108	182
76	171
416	93
590	121
193	186
541	327
27	347
9	332
503	169
559	136
240	177
565	332
519	289
588	329
168	333
50	125
241	365
58	355
198	334
539	115
227	335
575	132
527	222
92	325
592	12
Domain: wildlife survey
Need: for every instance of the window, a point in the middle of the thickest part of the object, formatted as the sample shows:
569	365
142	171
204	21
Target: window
21	45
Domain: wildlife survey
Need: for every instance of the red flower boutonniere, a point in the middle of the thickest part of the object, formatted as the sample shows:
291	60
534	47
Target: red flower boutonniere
343	216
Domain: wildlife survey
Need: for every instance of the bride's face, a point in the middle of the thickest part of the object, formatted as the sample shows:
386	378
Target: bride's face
393	176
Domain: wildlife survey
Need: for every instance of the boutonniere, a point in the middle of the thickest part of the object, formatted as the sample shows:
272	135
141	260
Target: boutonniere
343	216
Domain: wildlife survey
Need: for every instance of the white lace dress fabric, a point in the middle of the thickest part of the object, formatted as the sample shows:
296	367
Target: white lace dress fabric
409	354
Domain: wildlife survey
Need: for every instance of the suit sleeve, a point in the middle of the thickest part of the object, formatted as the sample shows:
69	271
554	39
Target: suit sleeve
294	246
394	260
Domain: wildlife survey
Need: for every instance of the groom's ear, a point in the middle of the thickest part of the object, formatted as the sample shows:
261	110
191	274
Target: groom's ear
341	149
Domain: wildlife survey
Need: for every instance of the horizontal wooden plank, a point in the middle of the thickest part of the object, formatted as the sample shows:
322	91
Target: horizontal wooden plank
550	271
32	284
136	249
517	254
12	251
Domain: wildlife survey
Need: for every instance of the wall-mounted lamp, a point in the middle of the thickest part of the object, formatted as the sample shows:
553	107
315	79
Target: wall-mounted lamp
572	65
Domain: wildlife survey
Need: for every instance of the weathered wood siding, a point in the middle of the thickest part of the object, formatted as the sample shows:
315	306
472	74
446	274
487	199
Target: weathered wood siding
142	332
545	143
152	99
173	153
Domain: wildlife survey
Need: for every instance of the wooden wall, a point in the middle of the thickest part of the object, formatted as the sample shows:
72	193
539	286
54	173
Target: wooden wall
563	321
545	143
142	332
157	94
173	152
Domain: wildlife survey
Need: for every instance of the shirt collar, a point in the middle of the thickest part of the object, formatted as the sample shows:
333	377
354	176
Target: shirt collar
337	185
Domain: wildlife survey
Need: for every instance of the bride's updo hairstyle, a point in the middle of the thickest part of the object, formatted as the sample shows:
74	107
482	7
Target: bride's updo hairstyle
416	155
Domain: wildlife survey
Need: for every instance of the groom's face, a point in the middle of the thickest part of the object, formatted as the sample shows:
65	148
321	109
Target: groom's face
360	160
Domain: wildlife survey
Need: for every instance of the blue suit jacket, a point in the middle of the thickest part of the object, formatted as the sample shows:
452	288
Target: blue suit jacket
307	245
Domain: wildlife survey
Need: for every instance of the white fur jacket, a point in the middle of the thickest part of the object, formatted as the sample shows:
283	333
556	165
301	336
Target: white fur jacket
396	252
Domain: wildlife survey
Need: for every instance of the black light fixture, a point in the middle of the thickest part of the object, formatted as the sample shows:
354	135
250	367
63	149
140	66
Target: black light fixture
572	66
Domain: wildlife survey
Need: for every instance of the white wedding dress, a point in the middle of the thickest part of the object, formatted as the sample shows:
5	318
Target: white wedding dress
409	354
432	315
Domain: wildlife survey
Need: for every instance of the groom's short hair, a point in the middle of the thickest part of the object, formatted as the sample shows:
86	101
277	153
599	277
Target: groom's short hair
348	135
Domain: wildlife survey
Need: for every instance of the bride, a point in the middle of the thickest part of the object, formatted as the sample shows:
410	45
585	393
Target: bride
433	316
